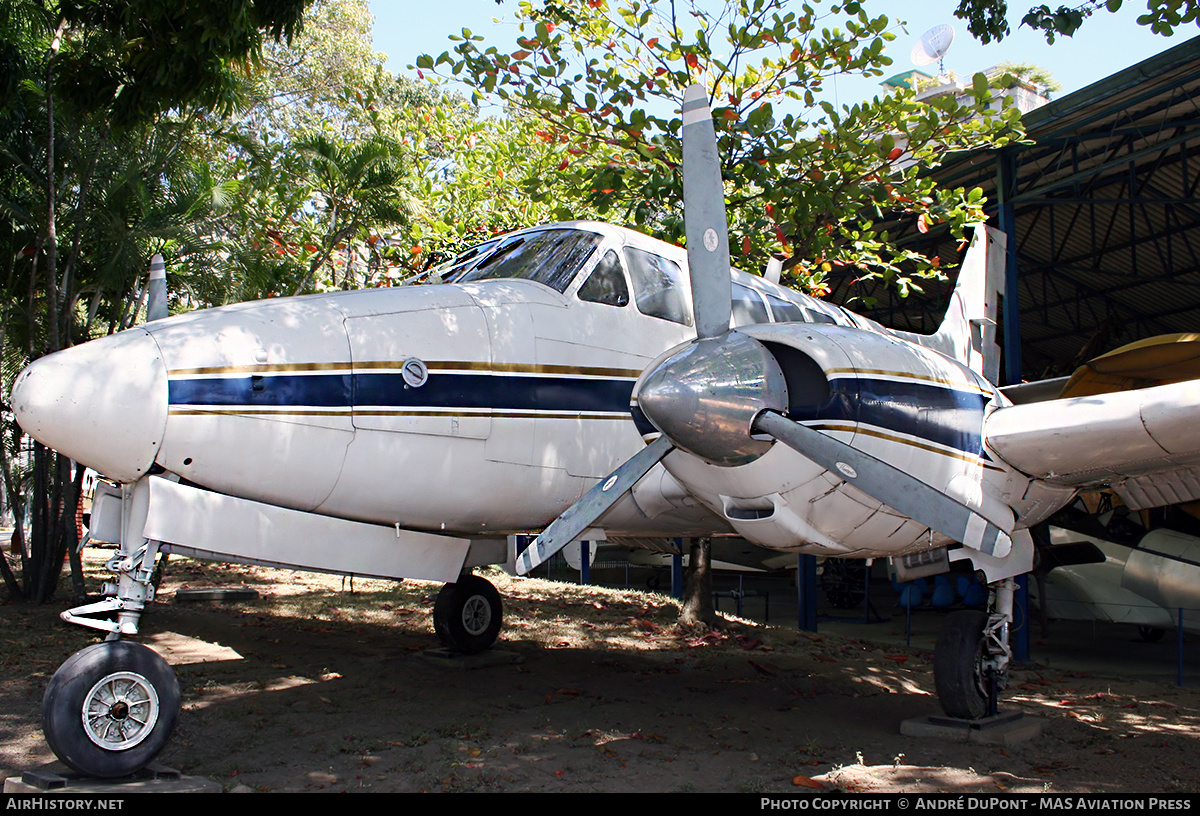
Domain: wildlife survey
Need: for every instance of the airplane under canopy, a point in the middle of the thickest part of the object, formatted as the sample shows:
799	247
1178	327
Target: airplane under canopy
580	376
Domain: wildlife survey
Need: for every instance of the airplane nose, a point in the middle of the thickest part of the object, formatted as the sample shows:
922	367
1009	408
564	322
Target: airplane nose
103	403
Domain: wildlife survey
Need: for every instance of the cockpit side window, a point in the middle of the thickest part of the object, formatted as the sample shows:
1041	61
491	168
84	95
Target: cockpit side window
606	284
551	257
657	286
747	307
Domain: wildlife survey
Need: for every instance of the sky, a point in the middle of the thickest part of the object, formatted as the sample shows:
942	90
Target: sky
1105	44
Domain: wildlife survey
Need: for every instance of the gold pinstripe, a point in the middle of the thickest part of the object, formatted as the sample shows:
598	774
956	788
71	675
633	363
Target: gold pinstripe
397	365
907	375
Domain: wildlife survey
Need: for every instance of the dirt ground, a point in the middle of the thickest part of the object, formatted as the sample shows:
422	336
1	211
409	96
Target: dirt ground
315	687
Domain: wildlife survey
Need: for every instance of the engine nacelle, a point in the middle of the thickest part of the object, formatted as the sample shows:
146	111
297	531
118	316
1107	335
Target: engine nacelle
903	404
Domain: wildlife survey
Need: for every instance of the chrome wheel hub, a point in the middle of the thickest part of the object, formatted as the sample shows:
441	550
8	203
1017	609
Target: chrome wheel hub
120	711
477	615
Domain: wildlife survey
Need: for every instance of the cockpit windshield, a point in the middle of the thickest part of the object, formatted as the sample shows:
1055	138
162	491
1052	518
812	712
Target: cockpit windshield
464	261
551	257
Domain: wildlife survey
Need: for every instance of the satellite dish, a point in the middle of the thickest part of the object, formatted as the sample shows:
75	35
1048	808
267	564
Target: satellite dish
933	45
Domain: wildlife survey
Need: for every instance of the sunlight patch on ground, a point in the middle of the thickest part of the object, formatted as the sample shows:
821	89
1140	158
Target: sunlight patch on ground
181	650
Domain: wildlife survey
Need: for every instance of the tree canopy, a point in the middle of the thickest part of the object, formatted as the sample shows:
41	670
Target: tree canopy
987	20
98	102
806	179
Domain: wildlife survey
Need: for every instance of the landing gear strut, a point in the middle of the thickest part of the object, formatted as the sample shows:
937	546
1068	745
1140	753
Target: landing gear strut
467	615
972	656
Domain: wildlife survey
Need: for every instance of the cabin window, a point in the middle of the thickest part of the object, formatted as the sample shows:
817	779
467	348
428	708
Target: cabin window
606	284
657	286
551	257
747	307
785	311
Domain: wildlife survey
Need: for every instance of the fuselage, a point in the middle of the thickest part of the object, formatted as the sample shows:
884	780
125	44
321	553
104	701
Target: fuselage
491	403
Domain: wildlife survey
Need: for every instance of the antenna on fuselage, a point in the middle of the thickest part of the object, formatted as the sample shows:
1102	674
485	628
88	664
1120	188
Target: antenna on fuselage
774	270
156	290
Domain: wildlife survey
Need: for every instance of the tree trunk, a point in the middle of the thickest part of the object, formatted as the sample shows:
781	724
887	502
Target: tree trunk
68	530
697	590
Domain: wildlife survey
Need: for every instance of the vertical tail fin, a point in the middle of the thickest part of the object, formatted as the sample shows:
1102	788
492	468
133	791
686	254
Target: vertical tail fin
968	331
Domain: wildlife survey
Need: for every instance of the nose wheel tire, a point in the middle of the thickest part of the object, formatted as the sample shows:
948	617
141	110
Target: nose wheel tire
110	708
467	615
958	666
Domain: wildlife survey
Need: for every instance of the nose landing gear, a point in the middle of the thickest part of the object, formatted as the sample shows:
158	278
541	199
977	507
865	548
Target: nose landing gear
110	708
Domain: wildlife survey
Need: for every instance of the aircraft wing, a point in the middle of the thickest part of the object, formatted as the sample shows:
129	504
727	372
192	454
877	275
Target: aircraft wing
1143	444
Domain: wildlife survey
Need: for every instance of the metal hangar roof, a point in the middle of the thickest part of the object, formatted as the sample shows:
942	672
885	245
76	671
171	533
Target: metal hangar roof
1102	219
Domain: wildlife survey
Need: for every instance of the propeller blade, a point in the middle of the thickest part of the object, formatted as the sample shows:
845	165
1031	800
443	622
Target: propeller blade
583	513
704	216
890	485
156	297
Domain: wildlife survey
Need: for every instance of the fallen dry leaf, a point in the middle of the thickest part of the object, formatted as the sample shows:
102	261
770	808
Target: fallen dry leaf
803	781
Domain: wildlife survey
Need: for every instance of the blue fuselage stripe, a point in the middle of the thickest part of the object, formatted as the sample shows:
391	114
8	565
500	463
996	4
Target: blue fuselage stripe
388	390
927	411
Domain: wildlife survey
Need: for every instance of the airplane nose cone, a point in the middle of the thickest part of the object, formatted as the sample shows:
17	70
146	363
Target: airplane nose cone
103	403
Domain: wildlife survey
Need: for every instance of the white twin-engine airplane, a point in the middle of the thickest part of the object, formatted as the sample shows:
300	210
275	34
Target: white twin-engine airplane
404	433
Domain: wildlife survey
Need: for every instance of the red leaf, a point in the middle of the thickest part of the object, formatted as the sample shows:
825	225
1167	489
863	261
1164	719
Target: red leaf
765	668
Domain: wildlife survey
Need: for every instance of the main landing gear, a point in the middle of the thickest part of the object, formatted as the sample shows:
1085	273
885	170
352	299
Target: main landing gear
467	615
972	656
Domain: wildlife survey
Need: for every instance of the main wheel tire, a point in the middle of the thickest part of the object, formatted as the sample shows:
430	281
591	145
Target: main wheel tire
467	615
110	709
958	666
844	582
1151	634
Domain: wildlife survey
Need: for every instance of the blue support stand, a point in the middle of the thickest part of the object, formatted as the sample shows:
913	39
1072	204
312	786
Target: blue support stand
1020	634
585	565
1011	316
806	592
